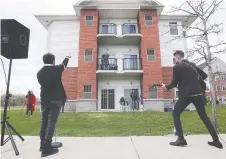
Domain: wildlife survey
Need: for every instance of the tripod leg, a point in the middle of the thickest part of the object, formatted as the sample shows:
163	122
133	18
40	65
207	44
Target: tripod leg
10	126
12	140
3	133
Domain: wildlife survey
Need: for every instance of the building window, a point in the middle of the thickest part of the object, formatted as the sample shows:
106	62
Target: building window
88	54
217	67
108	29
153	92
151	54
223	87
129	29
173	28
148	20
87	92
216	78
89	20
218	88
222	77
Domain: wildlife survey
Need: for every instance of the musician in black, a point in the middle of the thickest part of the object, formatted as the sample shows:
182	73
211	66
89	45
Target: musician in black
189	79
53	96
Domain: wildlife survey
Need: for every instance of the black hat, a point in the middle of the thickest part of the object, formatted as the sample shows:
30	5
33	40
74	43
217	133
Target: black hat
179	52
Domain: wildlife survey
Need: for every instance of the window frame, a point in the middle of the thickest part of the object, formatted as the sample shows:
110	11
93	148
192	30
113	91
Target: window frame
87	92
89	20
150	55
172	28
150	21
149	92
88	55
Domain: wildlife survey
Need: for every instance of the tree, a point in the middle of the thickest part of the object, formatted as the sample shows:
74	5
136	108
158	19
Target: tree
200	32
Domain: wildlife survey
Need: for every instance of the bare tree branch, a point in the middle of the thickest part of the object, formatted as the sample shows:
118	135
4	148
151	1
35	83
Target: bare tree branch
215	6
200	32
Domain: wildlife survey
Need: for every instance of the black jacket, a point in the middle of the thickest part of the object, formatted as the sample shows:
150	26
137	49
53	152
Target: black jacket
186	79
49	77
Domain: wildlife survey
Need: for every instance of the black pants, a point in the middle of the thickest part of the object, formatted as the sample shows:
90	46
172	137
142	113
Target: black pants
29	109
198	101
50	113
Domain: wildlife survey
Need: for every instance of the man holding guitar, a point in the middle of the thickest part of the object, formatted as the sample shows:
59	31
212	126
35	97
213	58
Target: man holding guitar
191	86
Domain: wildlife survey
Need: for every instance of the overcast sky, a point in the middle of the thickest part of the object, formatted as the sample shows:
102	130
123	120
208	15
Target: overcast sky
24	71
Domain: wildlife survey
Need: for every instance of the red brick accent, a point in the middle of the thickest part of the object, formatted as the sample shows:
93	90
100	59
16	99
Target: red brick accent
218	93
167	73
150	39
69	80
87	39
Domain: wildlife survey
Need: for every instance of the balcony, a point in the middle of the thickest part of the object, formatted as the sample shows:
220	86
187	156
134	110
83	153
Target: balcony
112	34
119	67
107	65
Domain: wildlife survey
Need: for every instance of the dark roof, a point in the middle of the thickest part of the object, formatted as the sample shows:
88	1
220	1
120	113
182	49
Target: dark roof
202	66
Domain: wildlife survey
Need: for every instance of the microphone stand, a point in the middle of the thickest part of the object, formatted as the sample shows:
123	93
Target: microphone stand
56	144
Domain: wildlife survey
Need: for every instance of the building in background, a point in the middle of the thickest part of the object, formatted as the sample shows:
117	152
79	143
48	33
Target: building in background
219	70
116	47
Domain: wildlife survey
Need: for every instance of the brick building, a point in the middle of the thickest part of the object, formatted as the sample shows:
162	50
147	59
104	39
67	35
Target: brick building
133	34
219	70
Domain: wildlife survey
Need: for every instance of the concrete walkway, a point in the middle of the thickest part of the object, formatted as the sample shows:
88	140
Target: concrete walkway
135	147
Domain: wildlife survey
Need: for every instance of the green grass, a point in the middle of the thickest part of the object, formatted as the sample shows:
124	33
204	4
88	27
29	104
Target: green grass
116	124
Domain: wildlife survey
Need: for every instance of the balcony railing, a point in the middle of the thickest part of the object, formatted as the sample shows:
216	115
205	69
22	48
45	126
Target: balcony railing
132	64
108	28
107	64
129	28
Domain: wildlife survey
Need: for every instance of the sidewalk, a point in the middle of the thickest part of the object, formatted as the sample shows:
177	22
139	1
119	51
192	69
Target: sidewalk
135	147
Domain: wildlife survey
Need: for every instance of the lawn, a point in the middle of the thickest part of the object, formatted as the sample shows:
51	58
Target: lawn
116	124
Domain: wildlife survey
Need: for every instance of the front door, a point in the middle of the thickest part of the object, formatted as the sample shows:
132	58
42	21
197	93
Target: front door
107	99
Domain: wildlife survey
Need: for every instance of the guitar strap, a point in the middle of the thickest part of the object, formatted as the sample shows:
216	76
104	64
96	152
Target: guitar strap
198	76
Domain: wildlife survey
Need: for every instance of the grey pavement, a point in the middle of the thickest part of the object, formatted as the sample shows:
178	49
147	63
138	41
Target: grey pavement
133	147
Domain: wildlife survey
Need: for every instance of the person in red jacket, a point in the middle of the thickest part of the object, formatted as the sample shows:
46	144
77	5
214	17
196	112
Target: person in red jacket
31	100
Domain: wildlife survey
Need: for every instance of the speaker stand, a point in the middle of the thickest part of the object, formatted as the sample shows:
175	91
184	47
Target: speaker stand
5	124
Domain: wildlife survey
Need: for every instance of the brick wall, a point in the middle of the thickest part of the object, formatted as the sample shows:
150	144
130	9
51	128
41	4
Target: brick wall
220	92
87	39
150	39
69	80
167	73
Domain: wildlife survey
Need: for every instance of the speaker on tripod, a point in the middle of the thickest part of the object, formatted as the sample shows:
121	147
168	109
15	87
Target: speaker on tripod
14	45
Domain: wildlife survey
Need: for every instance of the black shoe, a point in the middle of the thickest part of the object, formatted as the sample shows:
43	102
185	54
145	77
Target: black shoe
217	144
48	150
179	142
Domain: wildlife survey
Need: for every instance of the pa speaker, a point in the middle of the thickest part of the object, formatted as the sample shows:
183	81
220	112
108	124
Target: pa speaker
14	39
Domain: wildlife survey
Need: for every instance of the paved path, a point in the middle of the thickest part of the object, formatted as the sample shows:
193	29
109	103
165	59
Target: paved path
135	147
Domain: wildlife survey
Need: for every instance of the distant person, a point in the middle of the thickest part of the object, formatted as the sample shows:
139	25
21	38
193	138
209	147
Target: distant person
30	103
53	96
